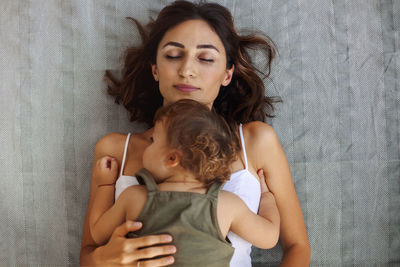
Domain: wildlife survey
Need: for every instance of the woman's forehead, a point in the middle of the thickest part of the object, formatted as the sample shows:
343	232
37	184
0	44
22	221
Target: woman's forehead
192	33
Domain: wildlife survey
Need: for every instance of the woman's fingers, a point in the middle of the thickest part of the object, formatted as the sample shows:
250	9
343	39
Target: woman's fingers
165	261
140	248
126	227
145	255
133	251
151	252
151	240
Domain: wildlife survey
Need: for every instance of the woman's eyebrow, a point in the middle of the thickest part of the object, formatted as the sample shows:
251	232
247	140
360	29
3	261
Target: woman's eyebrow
210	46
207	46
174	44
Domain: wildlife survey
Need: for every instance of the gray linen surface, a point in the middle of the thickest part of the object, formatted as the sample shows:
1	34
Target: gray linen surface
337	73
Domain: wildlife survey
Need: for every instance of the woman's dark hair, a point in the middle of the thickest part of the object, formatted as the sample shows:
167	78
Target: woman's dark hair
206	141
242	101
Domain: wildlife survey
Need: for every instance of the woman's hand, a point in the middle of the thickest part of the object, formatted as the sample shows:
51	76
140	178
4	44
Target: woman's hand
120	251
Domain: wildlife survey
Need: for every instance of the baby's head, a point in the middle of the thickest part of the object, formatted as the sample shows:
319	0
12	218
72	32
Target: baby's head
198	139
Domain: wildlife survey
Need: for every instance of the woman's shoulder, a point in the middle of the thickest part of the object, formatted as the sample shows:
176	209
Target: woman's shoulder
261	142
259	133
111	140
113	144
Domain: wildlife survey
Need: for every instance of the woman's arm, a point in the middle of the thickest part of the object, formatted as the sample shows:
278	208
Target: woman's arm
268	156
119	250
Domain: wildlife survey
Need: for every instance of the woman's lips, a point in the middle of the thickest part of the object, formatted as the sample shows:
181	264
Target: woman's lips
186	87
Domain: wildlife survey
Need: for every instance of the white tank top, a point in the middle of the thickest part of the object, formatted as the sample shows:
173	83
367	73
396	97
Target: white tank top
124	181
242	183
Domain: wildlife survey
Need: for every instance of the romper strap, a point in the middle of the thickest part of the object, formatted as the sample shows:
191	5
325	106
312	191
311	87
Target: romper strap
144	176
214	189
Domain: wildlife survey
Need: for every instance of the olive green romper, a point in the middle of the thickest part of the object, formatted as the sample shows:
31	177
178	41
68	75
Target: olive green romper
191	218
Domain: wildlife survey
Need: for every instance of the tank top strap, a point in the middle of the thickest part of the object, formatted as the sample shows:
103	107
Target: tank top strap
144	176
214	189
243	146
124	156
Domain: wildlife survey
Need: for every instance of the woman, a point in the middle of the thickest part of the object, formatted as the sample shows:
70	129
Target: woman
193	51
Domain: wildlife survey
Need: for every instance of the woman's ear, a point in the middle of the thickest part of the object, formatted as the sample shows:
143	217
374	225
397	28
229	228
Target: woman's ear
173	158
228	75
154	71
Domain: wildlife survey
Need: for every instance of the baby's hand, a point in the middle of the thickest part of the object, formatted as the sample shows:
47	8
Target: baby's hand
106	170
263	184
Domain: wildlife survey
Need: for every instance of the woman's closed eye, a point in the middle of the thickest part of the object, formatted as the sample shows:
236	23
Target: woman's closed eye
172	57
207	59
201	58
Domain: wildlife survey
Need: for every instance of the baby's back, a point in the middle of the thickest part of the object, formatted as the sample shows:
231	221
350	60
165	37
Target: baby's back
191	218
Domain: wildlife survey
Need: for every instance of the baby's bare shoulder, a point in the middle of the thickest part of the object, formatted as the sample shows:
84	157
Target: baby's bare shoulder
133	192
228	198
133	199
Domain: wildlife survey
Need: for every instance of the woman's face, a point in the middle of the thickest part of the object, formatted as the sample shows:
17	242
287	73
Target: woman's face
191	63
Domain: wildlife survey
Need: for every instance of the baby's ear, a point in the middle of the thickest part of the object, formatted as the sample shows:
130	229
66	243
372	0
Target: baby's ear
174	158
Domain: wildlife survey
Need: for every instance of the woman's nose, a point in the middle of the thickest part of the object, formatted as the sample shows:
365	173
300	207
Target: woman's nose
187	68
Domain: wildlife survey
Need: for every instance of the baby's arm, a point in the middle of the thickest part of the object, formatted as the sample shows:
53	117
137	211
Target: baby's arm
104	217
261	230
102	226
105	171
126	206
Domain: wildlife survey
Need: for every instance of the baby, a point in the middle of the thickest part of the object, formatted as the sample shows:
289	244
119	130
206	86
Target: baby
185	167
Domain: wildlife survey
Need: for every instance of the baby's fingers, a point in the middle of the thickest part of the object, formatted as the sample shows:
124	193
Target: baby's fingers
107	162
263	184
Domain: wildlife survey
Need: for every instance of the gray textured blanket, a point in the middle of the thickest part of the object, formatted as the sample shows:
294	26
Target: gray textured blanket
337	73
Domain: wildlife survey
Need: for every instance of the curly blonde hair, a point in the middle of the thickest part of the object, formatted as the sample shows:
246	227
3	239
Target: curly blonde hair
207	142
